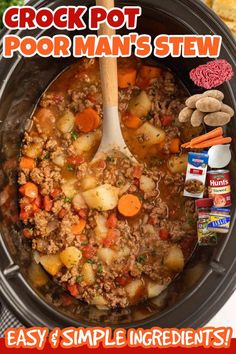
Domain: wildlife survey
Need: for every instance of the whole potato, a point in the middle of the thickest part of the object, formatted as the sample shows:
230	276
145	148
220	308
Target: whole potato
227	109
217	119
208	104
185	115
197	118
191	101
218	95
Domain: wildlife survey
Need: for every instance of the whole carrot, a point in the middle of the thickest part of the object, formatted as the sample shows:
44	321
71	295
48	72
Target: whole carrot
212	134
211	142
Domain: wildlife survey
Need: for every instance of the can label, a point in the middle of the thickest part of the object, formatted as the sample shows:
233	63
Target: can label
205	236
219	223
219	189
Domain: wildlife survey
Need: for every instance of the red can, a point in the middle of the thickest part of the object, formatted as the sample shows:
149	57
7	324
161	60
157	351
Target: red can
219	189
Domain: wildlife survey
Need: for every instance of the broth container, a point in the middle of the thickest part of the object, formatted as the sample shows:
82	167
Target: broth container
196	174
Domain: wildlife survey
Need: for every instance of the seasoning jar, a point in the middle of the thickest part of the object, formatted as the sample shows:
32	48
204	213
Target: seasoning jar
219	220
206	237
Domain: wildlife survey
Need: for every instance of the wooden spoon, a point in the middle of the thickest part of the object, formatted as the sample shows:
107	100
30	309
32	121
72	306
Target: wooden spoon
112	136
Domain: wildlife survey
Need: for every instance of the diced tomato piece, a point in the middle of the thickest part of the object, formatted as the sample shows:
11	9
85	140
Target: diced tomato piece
166	120
75	160
142	83
164	234
66	300
100	164
92	98
186	245
112	236
137	172
55	193
83	238
112	221
152	221
88	251
22	190
38	201
136	182
123	279
47	203
24	215
73	289
83	213
62	213
27	233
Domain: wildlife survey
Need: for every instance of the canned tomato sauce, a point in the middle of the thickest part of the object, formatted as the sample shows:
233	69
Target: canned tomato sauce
219	190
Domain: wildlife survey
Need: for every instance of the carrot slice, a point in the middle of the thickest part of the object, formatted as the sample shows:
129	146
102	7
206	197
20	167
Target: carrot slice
175	145
87	120
27	163
149	72
76	229
126	77
129	205
212	142
131	121
29	190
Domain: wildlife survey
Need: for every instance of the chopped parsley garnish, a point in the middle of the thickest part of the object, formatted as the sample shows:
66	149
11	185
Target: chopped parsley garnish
110	159
90	261
79	279
70	168
141	259
84	244
149	117
73	135
99	269
67	200
47	156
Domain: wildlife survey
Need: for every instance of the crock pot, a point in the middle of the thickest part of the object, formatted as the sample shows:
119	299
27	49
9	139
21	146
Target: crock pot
22	82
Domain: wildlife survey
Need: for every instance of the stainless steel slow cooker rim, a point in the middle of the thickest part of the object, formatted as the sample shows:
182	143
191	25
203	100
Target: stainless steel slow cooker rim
150	320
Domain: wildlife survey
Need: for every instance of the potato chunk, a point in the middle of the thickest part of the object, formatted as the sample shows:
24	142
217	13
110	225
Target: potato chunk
70	188
88	274
88	182
86	142
140	105
78	202
178	164
154	289
66	123
149	135
99	301
147	184
33	150
104	197
70	257
101	229
175	259
133	288
37	275
107	255
51	263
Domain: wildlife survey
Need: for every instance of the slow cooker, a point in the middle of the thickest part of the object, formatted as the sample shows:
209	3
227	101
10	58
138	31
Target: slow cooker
210	277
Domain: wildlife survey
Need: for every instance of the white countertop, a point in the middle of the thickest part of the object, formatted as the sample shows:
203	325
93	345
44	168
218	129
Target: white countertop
226	316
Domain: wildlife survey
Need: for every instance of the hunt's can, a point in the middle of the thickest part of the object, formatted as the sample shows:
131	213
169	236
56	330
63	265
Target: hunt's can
219	189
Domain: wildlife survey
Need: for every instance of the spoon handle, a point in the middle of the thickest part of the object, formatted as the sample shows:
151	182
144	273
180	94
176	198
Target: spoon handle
108	66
